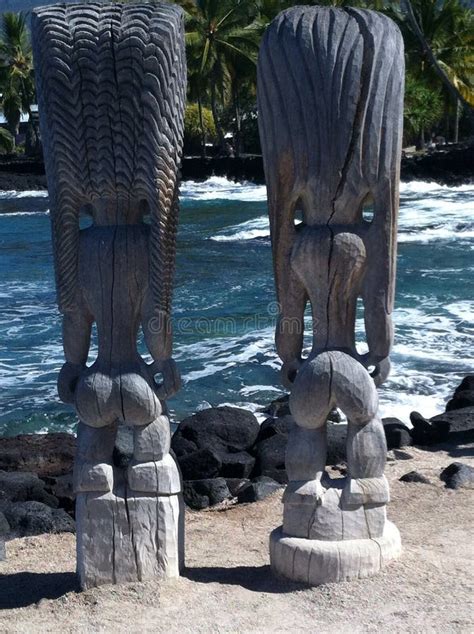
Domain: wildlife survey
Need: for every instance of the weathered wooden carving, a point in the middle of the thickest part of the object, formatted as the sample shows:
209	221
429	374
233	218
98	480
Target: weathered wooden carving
111	82
330	93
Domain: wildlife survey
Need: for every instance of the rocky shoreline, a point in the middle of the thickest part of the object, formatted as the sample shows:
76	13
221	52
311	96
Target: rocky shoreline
452	166
225	456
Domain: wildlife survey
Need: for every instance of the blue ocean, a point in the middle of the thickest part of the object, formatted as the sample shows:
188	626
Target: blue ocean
224	304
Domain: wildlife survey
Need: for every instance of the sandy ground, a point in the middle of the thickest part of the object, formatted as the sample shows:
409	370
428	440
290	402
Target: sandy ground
228	585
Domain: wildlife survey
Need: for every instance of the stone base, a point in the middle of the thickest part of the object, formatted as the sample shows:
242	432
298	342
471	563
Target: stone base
315	562
128	537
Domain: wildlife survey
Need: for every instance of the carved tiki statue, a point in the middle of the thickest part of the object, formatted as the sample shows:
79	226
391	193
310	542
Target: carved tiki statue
111	82
330	95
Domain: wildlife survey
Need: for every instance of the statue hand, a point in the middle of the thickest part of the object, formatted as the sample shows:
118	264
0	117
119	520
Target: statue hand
381	372
171	378
67	381
289	371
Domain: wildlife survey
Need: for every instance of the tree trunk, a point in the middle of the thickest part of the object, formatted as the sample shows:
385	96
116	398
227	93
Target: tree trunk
457	116
238	123
215	114
201	125
421	139
410	16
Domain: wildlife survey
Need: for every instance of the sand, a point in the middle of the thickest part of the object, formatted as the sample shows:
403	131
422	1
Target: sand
228	585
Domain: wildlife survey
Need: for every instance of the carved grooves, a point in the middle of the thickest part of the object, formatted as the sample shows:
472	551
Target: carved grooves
111	87
330	88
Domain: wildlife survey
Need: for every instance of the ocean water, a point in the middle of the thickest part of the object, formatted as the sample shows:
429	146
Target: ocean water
224	306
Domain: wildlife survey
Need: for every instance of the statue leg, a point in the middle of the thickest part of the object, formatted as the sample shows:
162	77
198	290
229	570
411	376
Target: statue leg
93	470
305	462
155	502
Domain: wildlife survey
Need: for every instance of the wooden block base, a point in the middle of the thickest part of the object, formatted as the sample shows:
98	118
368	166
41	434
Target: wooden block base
315	562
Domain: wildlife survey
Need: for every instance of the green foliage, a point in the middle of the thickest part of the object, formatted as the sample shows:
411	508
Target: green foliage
222	40
446	28
192	127
16	69
423	107
7	142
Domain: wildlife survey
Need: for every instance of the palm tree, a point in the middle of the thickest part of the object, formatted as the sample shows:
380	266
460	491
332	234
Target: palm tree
439	39
222	38
7	142
423	109
270	8
16	70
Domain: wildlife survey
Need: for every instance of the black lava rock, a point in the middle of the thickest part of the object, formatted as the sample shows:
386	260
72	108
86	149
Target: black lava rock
337	436
458	476
461	399
397	433
202	464
414	476
43	454
236	465
272	426
182	446
35	518
463	395
236	484
4	526
460	423
62	488
425	432
199	494
258	489
466	384
220	429
279	407
23	487
271	458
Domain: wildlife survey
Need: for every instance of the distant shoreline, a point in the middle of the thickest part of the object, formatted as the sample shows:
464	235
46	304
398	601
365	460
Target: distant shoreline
452	166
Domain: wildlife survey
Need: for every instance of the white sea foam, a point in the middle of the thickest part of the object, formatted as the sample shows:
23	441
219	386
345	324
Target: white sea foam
430	187
221	188
463	310
33	193
28	213
249	230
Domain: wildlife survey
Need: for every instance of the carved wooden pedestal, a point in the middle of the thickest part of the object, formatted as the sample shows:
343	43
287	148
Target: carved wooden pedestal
127	535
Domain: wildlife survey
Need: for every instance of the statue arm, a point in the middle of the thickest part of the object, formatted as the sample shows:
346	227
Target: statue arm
158	333
379	284
291	294
290	326
77	327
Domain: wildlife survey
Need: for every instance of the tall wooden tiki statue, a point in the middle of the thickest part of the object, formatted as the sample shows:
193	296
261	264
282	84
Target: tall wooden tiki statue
111	82
330	93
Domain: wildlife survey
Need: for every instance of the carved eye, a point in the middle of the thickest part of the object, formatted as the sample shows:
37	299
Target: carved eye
86	216
368	209
298	213
361	336
144	209
158	379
